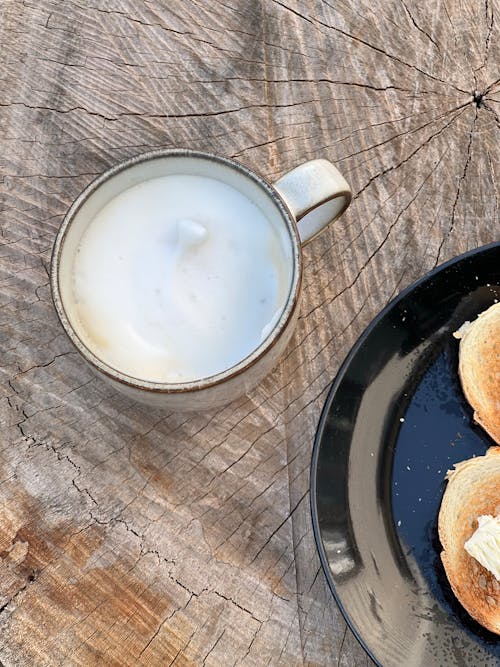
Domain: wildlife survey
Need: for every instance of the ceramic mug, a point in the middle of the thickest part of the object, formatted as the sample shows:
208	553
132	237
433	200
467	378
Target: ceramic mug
304	201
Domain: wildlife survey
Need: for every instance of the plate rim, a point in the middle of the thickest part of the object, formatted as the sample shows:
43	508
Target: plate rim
325	412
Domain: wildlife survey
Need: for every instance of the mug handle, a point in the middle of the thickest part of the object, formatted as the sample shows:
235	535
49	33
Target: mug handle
316	194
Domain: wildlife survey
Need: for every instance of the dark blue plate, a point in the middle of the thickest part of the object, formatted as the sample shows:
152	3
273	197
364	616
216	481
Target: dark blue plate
394	422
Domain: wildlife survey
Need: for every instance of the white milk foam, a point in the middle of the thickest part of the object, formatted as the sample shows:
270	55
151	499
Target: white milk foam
179	278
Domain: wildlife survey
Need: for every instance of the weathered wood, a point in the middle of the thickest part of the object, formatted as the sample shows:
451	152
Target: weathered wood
128	536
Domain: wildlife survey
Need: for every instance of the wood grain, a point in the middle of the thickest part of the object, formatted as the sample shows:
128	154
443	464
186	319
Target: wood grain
132	537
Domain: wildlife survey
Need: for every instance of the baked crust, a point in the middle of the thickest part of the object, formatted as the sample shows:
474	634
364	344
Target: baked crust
479	369
473	490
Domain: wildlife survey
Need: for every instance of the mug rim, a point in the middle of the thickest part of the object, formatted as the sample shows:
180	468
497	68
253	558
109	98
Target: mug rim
203	382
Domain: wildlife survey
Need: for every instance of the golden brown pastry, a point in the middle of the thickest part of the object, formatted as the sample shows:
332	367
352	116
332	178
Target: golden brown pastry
479	368
473	491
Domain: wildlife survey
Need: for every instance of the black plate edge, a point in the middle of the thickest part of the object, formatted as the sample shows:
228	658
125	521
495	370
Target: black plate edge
324	415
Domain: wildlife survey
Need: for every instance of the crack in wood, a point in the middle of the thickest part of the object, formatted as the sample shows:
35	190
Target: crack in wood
342	646
31	578
446	236
371	46
278	528
490	30
213	647
402	134
419	28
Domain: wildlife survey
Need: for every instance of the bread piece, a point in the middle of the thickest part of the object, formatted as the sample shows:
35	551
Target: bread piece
479	368
473	490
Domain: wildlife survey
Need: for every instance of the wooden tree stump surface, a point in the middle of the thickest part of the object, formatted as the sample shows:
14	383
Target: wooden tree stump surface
135	537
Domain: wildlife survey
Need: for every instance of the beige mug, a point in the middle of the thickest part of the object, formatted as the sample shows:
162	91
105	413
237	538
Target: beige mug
302	202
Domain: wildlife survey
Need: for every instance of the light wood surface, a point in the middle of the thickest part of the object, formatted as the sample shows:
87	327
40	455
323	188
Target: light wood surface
133	537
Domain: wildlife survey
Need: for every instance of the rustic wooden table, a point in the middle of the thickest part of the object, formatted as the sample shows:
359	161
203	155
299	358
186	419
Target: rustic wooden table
133	537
